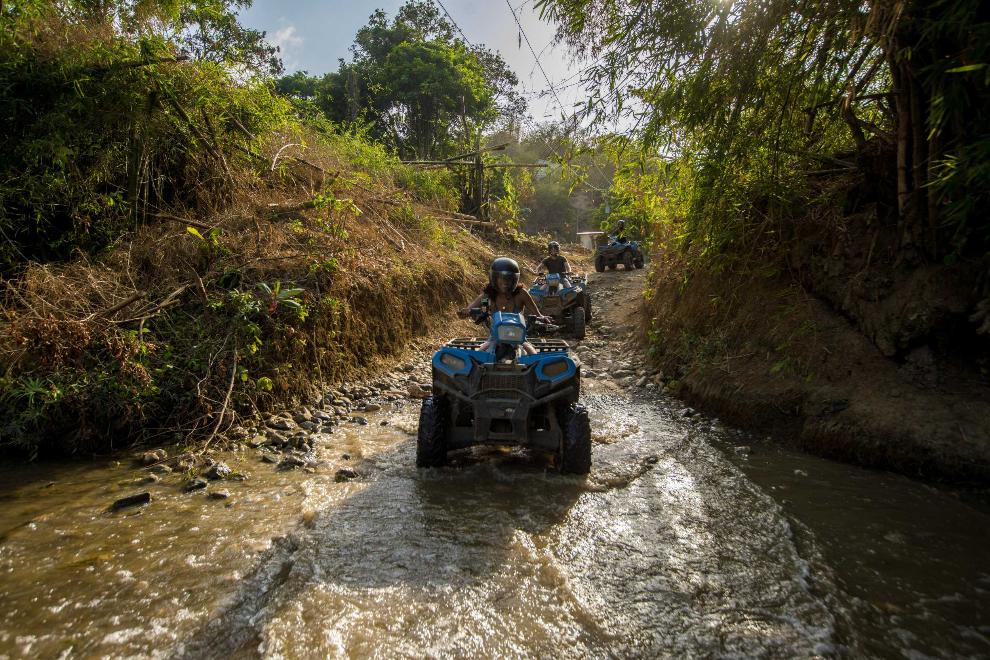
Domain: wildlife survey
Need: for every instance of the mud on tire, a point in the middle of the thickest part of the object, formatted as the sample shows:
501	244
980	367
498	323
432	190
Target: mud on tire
600	263
627	260
640	260
587	307
576	426
431	440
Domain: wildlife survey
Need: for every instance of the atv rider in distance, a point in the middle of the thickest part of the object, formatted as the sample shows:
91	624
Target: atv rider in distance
506	295
555	264
620	232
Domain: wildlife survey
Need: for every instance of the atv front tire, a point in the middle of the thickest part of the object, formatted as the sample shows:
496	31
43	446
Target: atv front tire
576	426
577	322
587	307
431	441
599	263
627	260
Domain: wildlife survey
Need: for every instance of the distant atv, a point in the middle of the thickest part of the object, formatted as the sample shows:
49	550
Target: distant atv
505	396
570	306
617	252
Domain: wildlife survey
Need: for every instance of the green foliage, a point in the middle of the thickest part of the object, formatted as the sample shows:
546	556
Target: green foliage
739	99
411	75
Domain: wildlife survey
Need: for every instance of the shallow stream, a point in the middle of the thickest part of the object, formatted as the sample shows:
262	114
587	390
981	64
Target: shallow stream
675	547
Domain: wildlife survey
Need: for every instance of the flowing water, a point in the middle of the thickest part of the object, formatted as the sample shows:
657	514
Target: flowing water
672	548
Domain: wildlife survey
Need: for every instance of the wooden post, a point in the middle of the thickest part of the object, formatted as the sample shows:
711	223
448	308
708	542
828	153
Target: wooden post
479	185
352	86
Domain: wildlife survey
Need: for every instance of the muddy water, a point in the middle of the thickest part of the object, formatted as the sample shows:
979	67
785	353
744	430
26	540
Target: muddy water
672	548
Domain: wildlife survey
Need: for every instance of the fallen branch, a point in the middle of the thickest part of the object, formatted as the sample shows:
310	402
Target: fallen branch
169	300
226	400
175	218
130	300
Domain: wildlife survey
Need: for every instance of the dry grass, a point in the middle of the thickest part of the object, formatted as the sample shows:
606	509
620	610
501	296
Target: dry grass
375	267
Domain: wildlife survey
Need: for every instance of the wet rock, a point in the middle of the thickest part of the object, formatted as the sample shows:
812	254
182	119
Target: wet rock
154	456
291	461
276	440
218	471
363	421
346	457
344	401
133	500
417	392
301	419
113	464
345	474
688	412
322	416
160	469
196	484
271	458
255	442
208	463
238	433
801	473
384	422
308	426
743	450
280	424
305	448
622	373
150	479
641	382
218	495
372	407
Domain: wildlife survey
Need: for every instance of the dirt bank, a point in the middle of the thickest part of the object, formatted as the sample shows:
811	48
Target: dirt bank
773	358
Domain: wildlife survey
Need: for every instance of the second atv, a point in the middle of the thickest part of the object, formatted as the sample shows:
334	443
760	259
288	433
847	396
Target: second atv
615	252
568	306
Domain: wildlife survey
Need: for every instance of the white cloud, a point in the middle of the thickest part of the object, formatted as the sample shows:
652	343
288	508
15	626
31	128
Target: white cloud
286	37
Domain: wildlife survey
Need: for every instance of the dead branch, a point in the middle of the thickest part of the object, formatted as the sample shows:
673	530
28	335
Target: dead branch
169	300
226	400
175	218
130	300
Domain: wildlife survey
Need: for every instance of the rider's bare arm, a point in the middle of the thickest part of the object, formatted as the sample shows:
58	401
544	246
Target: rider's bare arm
466	312
530	305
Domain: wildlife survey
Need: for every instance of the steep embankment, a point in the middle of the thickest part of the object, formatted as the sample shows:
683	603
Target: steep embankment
851	353
188	325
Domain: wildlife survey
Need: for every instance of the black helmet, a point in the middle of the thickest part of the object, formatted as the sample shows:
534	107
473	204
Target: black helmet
552	245
622	224
504	267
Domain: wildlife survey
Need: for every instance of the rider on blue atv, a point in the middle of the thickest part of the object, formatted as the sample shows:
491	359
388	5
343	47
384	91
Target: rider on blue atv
555	264
506	295
620	231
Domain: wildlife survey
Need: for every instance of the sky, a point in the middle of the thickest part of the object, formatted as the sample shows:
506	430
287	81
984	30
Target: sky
313	34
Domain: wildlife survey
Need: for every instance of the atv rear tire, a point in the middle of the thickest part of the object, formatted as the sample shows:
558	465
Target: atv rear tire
599	263
587	307
627	260
431	441
640	260
574	422
577	322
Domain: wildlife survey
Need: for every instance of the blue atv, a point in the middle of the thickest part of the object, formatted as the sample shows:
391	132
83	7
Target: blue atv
619	251
506	395
568	306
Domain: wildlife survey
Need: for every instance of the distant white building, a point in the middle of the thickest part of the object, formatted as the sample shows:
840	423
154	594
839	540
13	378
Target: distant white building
588	238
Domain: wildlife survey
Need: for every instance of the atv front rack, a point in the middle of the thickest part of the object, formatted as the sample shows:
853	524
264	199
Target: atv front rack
541	345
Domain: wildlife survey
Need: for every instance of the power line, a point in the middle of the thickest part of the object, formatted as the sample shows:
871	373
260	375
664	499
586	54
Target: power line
466	40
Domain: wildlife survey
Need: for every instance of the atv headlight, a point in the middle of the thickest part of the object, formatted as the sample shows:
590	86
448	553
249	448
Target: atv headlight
452	361
510	333
554	369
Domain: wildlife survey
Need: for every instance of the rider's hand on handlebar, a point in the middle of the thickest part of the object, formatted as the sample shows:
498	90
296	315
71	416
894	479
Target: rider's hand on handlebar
464	313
